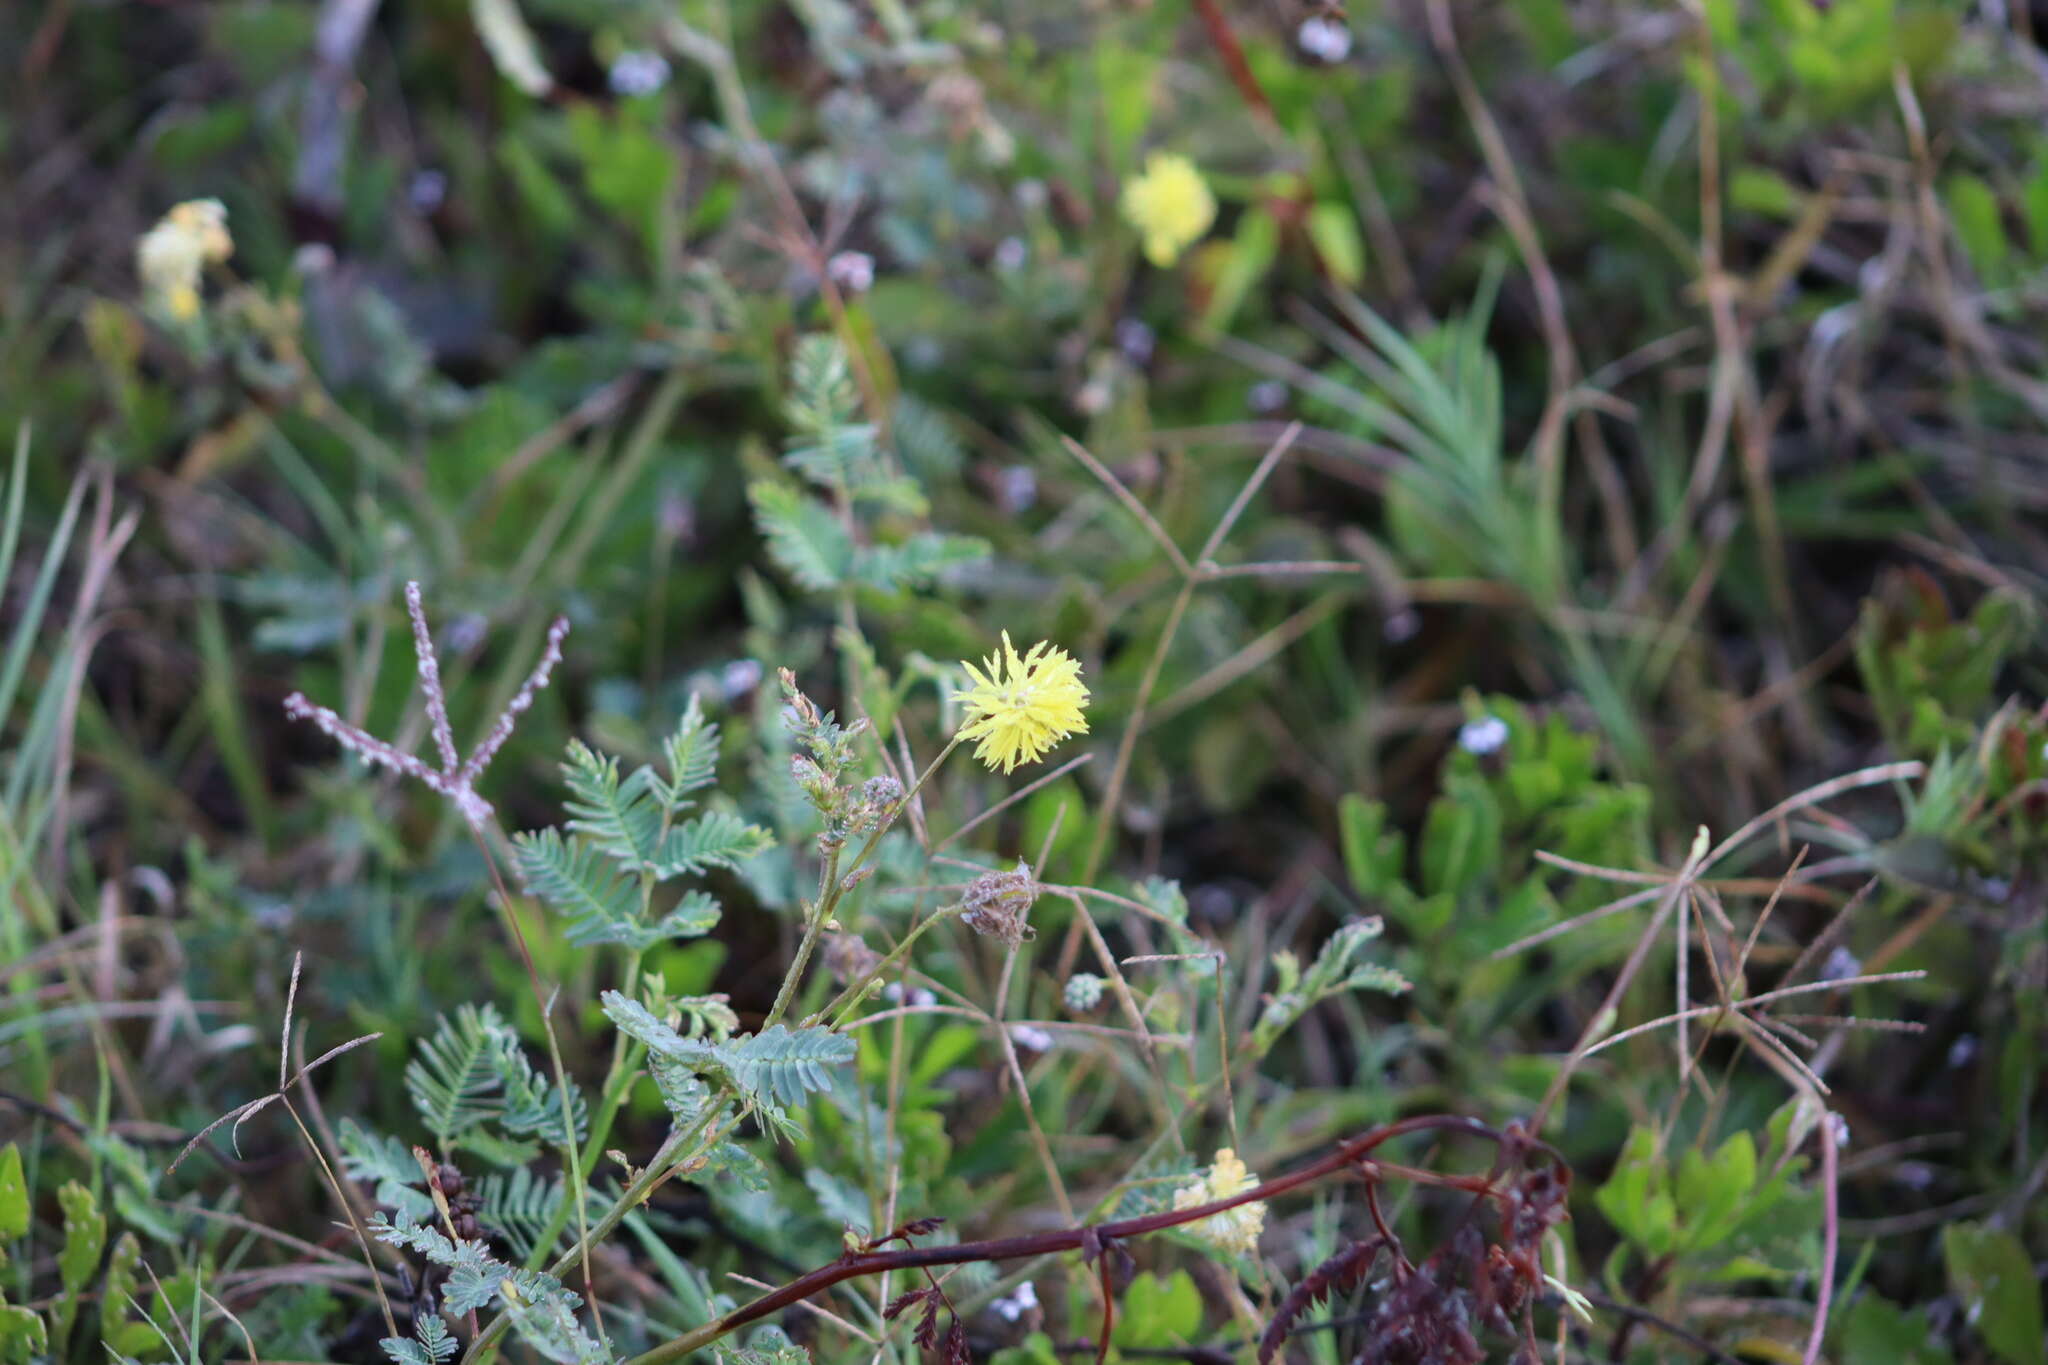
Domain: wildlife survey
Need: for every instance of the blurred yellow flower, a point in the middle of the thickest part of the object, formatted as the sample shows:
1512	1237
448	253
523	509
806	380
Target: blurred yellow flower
1170	206
1234	1230
1021	706
171	255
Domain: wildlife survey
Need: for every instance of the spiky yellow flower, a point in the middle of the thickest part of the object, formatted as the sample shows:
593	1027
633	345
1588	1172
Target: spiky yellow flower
1233	1230
170	256
1020	706
1170	206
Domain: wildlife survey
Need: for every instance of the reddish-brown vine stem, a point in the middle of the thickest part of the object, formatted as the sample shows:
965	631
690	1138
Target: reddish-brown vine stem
1349	1155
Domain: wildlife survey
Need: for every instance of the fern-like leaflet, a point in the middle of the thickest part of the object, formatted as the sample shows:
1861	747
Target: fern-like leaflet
774	1071
475	1088
627	835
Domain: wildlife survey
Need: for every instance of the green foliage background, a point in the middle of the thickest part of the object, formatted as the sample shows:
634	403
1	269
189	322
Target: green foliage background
1672	437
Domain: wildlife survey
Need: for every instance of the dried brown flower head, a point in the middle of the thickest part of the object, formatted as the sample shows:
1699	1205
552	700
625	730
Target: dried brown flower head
998	904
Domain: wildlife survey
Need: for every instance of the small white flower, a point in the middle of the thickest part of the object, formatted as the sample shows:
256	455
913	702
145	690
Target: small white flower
1031	1037
1483	736
738	678
1840	1126
1266	396
854	270
638	72
466	632
1325	38
1016	1305
313	258
1030	194
998	144
1017	487
1400	627
922	999
1840	965
893	992
1962	1051
1011	254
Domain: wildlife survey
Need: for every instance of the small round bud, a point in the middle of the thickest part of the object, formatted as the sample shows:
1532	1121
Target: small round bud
1083	992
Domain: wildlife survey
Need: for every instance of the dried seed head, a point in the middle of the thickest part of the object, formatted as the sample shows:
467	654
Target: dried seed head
998	903
848	957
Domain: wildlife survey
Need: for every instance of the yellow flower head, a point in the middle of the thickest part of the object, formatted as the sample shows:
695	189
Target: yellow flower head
170	256
1020	706
1234	1230
1170	205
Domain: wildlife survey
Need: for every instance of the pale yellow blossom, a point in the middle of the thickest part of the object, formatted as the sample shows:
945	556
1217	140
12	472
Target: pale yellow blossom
1170	206
1237	1230
1020	706
171	256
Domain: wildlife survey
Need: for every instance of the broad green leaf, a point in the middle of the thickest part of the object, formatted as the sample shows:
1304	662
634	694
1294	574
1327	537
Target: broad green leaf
1373	855
1245	262
23	1337
1876	1331
85	1235
629	170
1760	190
1334	230
117	1291
1124	78
1461	837
1159	1313
2034	206
1712	1193
1973	208
13	1194
1992	1275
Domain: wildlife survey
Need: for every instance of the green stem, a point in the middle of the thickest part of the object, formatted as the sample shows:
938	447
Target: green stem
665	1160
1105	819
617	1087
854	993
832	885
821	915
